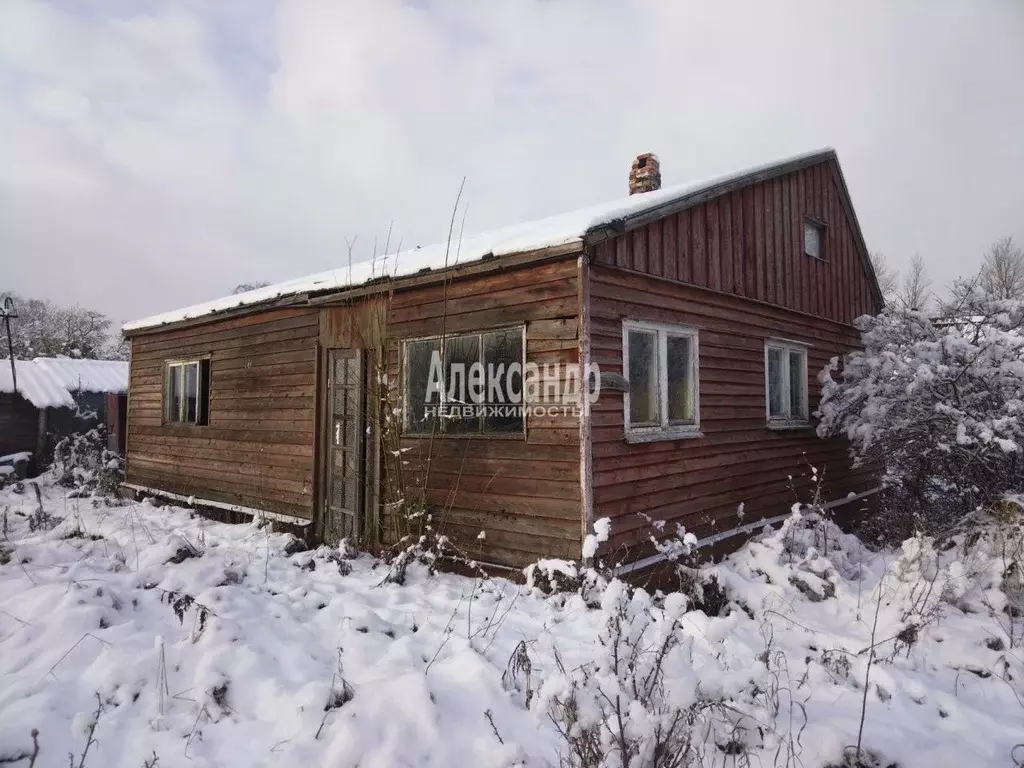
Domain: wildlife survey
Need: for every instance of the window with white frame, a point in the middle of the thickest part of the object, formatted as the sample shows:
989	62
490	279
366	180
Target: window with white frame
660	362
814	238
187	392
785	366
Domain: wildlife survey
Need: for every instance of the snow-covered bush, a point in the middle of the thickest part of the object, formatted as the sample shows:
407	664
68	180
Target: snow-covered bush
618	712
83	463
937	404
590	576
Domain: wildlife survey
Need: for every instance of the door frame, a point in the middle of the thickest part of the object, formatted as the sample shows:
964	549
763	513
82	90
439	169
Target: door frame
368	522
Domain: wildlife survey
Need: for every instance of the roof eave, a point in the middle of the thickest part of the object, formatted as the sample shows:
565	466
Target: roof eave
377	286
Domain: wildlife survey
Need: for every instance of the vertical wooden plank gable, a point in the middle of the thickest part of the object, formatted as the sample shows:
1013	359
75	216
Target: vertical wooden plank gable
749	242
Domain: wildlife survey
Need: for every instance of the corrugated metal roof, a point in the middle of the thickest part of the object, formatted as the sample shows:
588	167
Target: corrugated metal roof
87	375
47	382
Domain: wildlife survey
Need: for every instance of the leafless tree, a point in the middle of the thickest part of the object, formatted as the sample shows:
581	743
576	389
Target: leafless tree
887	277
1002	272
243	287
916	292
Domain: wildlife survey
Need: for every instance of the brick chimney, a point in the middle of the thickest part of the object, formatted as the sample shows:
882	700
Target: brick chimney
645	175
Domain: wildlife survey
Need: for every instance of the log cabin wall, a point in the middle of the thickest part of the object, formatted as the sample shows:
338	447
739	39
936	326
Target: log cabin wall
522	492
258	449
749	242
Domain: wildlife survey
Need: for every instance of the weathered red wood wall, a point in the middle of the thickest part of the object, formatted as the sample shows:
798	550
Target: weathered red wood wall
522	492
258	449
749	242
735	269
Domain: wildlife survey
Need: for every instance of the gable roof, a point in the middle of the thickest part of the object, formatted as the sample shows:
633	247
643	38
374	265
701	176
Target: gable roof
576	227
47	382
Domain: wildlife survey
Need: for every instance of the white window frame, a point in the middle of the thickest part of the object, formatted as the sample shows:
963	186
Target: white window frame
786	422
664	430
177	368
819	227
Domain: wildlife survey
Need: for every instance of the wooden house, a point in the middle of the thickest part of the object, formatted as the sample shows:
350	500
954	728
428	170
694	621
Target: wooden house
706	309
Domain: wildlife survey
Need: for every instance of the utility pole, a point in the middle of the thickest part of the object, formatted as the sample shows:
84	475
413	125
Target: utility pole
8	312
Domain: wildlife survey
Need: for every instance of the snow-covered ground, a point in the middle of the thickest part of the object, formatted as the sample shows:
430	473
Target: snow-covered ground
205	644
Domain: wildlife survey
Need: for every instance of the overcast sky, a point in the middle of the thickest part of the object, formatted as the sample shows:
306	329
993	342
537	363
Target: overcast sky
155	154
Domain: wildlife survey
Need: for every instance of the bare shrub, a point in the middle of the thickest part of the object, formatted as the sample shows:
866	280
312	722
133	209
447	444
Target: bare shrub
618	709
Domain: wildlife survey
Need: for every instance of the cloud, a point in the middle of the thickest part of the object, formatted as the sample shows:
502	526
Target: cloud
156	154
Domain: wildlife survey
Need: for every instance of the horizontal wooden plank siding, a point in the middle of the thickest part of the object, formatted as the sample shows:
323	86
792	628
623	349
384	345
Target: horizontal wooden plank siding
257	450
522	493
700	482
749	242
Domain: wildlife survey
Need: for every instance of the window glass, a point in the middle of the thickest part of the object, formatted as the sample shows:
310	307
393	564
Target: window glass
174	393
777	400
643	379
191	392
187	392
503	352
417	376
480	396
812	239
797	385
460	353
204	393
787	383
678	351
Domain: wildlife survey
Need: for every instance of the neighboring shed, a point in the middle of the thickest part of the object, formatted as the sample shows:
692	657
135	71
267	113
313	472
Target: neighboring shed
57	397
709	308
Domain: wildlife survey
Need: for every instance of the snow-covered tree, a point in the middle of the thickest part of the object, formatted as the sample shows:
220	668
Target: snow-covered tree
939	404
43	329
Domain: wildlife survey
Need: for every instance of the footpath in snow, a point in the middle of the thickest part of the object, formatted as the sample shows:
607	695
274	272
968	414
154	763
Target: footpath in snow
146	636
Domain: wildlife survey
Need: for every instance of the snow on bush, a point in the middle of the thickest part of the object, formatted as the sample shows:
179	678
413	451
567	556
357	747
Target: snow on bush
938	404
616	711
83	463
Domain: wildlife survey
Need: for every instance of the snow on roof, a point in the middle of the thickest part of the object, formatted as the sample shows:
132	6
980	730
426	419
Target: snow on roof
534	235
87	375
47	382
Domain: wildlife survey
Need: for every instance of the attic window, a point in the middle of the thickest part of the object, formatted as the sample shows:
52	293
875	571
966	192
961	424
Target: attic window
814	238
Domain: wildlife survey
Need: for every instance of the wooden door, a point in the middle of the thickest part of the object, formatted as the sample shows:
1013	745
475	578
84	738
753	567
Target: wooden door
344	500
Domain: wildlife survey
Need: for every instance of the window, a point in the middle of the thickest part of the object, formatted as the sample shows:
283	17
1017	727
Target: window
814	238
474	387
786	383
660	364
187	392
